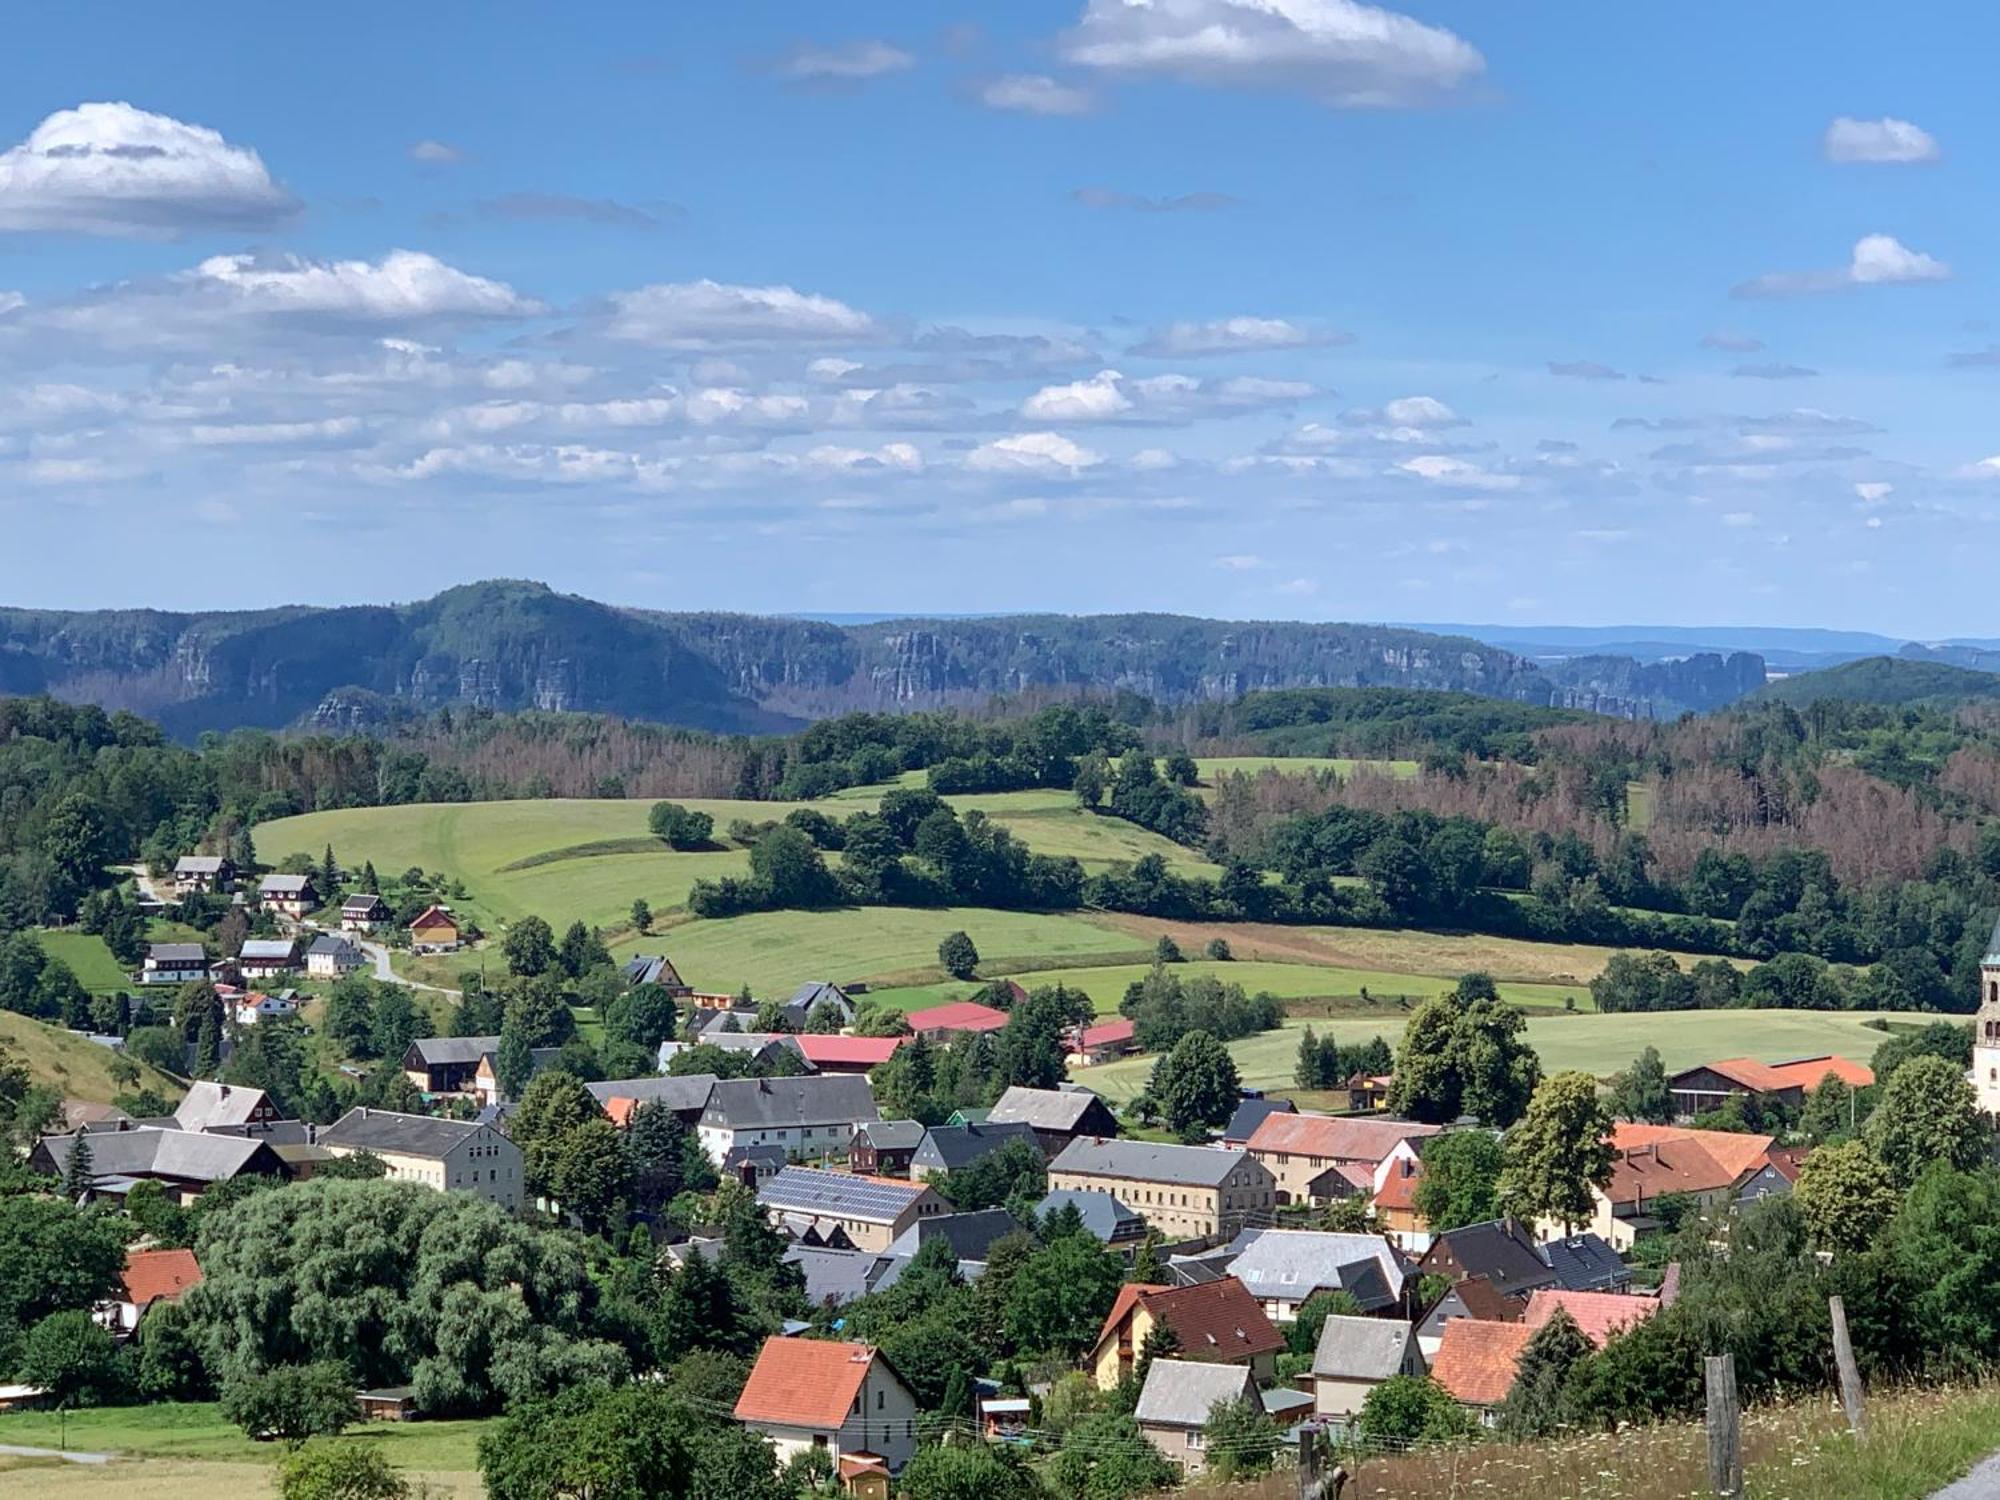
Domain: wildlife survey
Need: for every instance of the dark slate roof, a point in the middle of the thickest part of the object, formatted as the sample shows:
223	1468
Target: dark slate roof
357	905
189	1155
705	1022
970	1235
651	968
1499	1251
364	1129
893	1135
176	955
1045	1109
1250	1114
807	1190
807	995
435	1050
688	1091
1103	1215
834	1277
767	1103
329	943
769	1158
948	1148
1586	1263
1149	1161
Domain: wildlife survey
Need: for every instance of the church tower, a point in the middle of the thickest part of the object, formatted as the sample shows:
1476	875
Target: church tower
1986	1029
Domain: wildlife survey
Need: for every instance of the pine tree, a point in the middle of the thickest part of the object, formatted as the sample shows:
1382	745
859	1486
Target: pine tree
208	1045
329	874
78	1176
1306	1073
372	886
1537	1404
956	1403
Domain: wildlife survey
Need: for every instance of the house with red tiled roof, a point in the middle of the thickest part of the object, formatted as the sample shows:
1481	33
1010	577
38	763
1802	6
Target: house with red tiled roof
1395	1203
1598	1314
1698	1090
1650	1162
846	1054
149	1276
1313	1157
1218	1322
1477	1361
1100	1043
941	1021
843	1398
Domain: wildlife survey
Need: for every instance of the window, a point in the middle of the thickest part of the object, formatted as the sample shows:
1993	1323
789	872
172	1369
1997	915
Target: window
880	1399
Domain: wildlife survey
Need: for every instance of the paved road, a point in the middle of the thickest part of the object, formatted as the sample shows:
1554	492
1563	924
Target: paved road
68	1455
387	974
1983	1483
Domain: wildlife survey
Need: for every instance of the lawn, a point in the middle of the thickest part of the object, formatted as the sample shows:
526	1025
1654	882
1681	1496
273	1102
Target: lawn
1597	1044
87	958
73	1065
196	1430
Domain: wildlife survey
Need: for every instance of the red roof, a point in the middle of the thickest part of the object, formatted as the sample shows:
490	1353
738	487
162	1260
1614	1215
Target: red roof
154	1274
1598	1314
1477	1361
1218	1321
1800	1073
1735	1151
1106	1034
804	1383
1399	1188
1335	1139
865	1051
960	1015
434	916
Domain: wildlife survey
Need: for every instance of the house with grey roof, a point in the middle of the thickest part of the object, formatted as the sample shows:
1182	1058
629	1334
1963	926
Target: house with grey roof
365	912
1057	1116
953	1148
809	996
447	1064
654	968
837	1277
1354	1355
332	957
1107	1220
812	1115
460	1156
185	1162
1177	1400
762	1046
264	958
884	1148
198	874
970	1235
224	1106
173	963
685	1095
287	895
1249	1115
870	1211
1586	1263
1185	1192
1284	1268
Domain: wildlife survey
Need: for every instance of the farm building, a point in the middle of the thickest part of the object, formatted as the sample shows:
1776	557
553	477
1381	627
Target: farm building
1700	1090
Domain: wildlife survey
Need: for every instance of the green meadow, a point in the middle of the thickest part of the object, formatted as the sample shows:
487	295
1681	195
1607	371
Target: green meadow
96	970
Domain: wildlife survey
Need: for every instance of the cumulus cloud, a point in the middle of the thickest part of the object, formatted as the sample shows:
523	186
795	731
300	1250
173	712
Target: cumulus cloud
1339	52
1877	260
1419	412
111	169
436	153
404	286
1109	396
890	458
1042	453
1584	369
1234	336
708	314
1457	473
1111	198
842	63
10	301
1035	94
1886	140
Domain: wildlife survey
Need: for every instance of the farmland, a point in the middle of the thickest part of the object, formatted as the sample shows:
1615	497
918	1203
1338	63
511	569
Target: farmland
96	970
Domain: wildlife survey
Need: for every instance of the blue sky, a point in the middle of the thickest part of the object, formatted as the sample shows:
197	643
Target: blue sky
1303	309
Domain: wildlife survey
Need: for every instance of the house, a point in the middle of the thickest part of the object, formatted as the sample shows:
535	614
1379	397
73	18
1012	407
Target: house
1285	1268
1477	1361
1586	1263
364	913
224	1106
387	1403
834	1278
1365	1091
1698	1090
486	1086
685	1096
883	1148
1175	1403
1004	1419
952	1148
287	895
333	957
1500	1252
1649	1162
446	1064
654	968
1249	1115
763	1047
810	996
461	1156
1091	1045
1598	1314
1300	1149
941	1021
253	1006
753	1166
1219	1322
173	963
185	1162
1472	1298
199	874
870	1211
1058	1116
267	958
1354	1355
812	1115
970	1235
1182	1191
435	930
842	1398
1107	1220
846	1054
1394	1205
149	1276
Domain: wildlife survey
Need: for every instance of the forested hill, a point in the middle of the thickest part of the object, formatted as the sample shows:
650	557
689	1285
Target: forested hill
511	645
1888	680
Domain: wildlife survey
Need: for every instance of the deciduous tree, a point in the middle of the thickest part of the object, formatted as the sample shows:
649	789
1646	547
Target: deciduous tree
1558	1152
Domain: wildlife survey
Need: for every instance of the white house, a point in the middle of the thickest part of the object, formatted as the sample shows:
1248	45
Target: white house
808	1116
174	963
843	1398
255	1006
332	957
460	1156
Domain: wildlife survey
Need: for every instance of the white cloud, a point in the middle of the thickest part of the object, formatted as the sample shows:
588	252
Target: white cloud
436	153
114	170
1109	396
704	314
1873	493
328	429
405	285
1456	473
1241	562
1035	94
1032	453
831	370
1233	336
1340	52
1423	412
1886	140
842	62
1877	260
10	301
900	458
1096	399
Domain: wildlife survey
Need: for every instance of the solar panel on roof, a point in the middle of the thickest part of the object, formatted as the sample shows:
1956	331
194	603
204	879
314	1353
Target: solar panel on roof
809	1190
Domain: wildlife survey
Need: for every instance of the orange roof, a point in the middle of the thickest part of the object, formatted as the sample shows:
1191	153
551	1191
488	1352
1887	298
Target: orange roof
1335	1139
153	1274
620	1110
1670	1166
1477	1361
804	1383
1800	1073
821	1049
434	916
1598	1314
960	1015
1217	1320
1399	1188
1735	1150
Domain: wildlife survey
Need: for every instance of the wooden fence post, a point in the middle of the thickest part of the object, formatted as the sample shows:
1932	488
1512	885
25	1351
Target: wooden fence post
1850	1373
1725	1427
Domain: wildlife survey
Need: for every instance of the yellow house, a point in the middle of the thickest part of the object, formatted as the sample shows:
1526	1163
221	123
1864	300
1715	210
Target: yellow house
459	1156
1216	1321
1185	1192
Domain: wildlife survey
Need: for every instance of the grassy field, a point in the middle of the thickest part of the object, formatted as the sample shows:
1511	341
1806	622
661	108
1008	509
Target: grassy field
1599	1045
74	1066
87	958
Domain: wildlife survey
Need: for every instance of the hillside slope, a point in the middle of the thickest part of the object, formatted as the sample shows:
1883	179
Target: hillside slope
1882	679
513	645
72	1065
